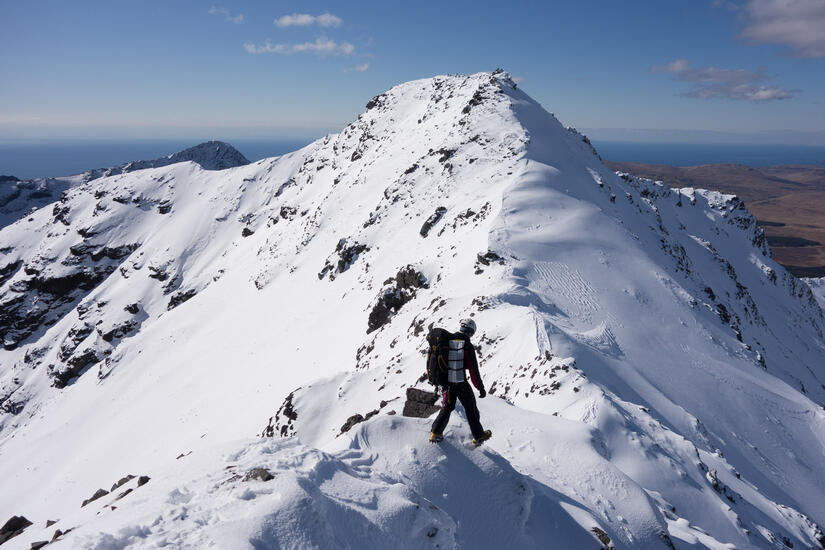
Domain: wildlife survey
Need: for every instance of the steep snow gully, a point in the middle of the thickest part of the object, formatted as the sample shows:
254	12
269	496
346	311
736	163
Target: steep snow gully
655	379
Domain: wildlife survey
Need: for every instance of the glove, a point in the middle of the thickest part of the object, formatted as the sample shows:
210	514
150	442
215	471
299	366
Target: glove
482	393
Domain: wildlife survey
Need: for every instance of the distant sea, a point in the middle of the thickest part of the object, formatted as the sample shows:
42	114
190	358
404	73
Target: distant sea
692	154
37	159
34	159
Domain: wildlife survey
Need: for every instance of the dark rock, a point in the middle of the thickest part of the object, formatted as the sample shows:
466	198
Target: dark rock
397	291
258	474
352	421
113	252
143	480
489	257
99	493
8	270
123	494
121	481
13	527
475	100
432	531
30	303
73	338
723	313
283	419
118	331
179	297
347	254
76	364
247	232
57	534
432	220
164	207
60	213
288	212
603	538
377	100
420	403
158	273
50	522
445	153
132	308
38	544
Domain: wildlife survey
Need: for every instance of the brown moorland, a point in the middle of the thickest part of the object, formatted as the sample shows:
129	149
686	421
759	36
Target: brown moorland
788	201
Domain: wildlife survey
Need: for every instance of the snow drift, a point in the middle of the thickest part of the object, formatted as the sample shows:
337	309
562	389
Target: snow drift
655	378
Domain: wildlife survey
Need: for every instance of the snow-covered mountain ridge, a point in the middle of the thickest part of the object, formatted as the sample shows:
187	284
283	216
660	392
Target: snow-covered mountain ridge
661	377
19	197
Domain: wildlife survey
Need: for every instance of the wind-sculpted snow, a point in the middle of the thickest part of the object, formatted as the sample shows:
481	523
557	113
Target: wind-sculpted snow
655	378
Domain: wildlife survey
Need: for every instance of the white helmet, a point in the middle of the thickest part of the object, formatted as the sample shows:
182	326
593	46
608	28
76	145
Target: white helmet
468	326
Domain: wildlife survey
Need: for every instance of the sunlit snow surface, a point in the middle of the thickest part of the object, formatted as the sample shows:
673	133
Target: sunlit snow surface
654	376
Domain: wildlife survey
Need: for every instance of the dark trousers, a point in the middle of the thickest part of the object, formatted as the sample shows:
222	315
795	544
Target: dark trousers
464	393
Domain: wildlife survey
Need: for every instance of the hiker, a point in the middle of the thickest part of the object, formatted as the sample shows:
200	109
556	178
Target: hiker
461	357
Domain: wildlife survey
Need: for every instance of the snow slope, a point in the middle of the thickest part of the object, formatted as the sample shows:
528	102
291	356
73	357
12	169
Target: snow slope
818	288
19	197
655	378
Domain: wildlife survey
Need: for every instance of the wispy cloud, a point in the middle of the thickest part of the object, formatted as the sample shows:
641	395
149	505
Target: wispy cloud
710	82
306	20
358	68
321	46
797	24
227	15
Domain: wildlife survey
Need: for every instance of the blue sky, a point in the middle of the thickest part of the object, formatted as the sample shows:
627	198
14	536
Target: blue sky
167	69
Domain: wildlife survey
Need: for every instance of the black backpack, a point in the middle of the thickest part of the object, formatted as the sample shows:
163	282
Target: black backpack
437	356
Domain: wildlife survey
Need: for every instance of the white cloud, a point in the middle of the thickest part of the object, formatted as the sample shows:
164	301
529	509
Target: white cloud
227	15
328	20
305	20
710	82
358	68
797	24
321	46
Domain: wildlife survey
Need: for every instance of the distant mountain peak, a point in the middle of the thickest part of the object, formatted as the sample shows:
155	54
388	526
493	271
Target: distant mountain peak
209	155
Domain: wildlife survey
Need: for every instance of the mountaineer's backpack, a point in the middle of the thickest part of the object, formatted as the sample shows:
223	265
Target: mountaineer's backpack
437	356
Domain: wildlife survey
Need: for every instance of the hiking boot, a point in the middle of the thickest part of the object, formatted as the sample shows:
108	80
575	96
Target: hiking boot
484	437
436	438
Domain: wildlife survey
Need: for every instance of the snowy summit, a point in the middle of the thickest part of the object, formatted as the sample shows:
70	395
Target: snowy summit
242	340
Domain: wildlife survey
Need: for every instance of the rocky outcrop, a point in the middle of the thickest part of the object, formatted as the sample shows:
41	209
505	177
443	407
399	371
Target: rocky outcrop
99	493
396	292
420	403
432	220
283	421
258	474
13	527
347	254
